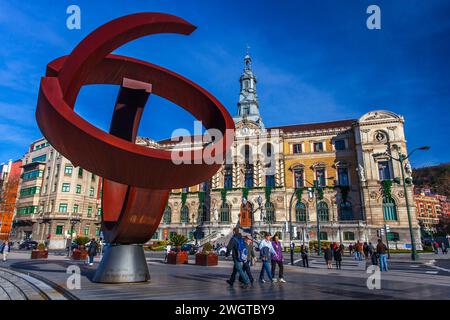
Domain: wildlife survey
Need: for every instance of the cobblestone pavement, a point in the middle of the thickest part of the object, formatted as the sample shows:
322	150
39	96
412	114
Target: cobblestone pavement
405	280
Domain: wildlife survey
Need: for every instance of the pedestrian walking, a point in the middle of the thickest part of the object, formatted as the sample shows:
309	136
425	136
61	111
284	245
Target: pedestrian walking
373	254
338	257
277	260
444	248
304	254
239	253
92	251
266	251
328	255
168	248
350	249
436	247
381	252
366	250
5	250
250	259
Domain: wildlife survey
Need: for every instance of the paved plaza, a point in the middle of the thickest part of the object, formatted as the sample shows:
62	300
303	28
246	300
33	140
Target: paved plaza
429	278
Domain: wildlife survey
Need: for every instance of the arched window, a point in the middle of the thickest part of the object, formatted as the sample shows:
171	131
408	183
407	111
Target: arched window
345	211
270	212
300	212
349	236
184	214
167	217
389	209
225	212
322	211
203	214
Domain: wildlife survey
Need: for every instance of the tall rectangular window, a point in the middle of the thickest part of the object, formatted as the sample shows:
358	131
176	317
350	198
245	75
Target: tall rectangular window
297	148
91	191
68	170
86	231
59	230
63	207
320	176
75	208
89	211
318	146
298	178
270	180
80	172
228	177
339	144
384	170
65	187
248	178
343	176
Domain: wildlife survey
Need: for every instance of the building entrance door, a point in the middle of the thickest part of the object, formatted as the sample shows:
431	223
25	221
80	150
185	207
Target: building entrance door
246	215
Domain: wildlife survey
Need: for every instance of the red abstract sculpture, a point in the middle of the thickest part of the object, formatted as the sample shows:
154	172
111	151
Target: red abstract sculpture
137	179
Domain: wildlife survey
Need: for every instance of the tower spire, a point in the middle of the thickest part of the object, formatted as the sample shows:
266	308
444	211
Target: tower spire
248	105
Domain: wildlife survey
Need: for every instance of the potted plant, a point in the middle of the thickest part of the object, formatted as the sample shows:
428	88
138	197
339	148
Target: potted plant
178	256
207	257
80	252
40	252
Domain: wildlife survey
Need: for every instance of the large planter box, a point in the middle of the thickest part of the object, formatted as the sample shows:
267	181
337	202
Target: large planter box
203	259
177	257
79	255
39	254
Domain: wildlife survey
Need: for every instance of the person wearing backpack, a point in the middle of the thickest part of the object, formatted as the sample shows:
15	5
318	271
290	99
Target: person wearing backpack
266	250
250	259
277	259
237	248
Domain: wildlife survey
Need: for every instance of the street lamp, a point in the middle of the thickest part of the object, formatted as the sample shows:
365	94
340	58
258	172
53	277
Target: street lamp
402	158
259	200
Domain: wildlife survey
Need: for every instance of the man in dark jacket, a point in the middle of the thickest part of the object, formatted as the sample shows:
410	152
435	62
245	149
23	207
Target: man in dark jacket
237	265
381	252
92	251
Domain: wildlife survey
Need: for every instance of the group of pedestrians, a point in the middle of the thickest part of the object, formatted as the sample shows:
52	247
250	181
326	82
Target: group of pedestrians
335	252
378	255
244	257
441	246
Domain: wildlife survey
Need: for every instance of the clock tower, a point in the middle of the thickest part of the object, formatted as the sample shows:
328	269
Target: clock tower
248	105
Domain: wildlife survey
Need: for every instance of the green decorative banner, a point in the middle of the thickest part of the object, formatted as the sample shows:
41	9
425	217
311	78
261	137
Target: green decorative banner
386	188
183	198
223	194
299	192
201	197
268	192
320	193
245	192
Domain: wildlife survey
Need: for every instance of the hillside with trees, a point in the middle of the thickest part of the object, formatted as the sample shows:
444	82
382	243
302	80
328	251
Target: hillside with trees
435	178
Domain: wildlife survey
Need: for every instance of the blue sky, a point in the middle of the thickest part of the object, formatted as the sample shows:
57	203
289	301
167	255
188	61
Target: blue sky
315	61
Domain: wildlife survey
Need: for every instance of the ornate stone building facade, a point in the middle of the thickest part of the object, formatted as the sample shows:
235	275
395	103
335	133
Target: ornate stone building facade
281	166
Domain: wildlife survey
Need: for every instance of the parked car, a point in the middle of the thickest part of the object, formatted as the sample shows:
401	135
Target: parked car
222	251
190	248
28	245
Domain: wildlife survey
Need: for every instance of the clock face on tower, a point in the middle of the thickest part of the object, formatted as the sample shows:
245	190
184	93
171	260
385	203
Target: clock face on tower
245	130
